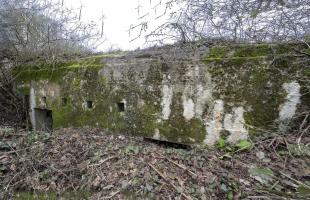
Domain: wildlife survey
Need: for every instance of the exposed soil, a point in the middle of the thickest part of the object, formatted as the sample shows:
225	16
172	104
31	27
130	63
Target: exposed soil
93	164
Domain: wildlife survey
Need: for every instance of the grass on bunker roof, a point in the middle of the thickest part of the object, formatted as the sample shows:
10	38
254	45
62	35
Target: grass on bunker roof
93	164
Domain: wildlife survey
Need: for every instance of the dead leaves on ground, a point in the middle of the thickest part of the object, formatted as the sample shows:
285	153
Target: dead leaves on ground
122	167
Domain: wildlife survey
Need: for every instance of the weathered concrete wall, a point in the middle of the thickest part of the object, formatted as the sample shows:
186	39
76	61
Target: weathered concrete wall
177	94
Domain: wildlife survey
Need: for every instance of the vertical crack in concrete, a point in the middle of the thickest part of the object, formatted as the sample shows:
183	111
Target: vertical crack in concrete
167	95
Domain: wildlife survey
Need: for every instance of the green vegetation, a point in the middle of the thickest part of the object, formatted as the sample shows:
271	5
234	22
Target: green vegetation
263	175
230	150
132	149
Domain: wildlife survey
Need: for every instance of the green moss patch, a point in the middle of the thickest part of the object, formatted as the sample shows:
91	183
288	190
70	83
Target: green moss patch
253	82
55	71
218	52
252	50
178	129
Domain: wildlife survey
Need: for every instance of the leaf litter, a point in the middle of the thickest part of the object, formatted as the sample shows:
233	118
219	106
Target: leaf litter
93	164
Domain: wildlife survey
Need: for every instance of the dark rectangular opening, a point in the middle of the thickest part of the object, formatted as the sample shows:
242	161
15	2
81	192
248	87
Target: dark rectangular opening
89	104
43	119
26	102
168	144
121	106
43	99
64	101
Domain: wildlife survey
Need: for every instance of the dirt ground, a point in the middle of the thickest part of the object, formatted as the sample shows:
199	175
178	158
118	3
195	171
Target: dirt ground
93	164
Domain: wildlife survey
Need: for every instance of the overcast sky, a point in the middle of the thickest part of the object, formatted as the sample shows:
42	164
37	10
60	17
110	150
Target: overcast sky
119	15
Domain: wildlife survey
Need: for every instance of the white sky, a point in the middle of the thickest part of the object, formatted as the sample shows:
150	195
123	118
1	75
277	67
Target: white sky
119	15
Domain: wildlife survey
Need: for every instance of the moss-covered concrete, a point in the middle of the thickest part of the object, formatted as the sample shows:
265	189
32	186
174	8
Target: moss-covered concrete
178	129
247	76
57	70
253	77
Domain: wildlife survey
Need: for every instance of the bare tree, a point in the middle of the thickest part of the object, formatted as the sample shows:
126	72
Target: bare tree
232	20
33	28
43	30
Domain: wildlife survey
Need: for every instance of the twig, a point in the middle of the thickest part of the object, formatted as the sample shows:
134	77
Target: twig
303	123
182	167
20	158
274	185
162	185
272	193
6	188
258	197
166	179
103	161
300	183
15	151
115	193
302	131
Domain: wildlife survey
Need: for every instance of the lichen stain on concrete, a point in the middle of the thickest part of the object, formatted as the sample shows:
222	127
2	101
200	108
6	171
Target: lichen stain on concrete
213	123
194	101
156	135
32	102
203	96
188	104
288	108
48	89
235	125
166	100
196	95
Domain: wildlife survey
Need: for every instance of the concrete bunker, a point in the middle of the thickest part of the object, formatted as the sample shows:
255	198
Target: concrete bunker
192	100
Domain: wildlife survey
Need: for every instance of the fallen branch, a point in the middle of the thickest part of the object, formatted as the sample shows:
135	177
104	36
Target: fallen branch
15	151
6	188
258	197
102	161
115	193
167	180
182	167
300	183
